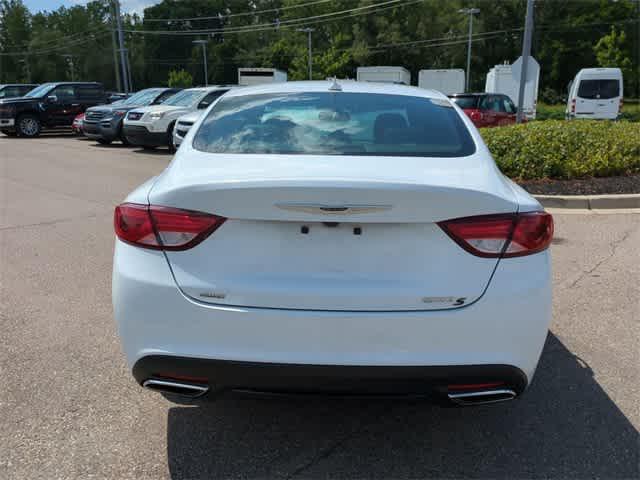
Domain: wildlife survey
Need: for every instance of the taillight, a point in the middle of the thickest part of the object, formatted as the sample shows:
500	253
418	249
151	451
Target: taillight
163	228
504	235
573	105
475	115
620	105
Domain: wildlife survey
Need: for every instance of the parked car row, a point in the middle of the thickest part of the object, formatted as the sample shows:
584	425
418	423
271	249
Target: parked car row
148	118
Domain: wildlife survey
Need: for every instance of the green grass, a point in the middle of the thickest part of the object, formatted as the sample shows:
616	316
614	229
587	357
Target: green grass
563	149
630	111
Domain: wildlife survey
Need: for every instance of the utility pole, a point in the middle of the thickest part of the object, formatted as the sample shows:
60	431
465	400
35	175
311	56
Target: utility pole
27	68
123	57
526	52
115	48
308	31
471	12
69	58
204	59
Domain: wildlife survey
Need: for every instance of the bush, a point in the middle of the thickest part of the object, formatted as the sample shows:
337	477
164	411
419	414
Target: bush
565	149
180	79
551	97
550	112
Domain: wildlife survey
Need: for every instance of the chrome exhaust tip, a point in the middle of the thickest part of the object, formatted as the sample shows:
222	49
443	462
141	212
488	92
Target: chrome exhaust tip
175	387
482	397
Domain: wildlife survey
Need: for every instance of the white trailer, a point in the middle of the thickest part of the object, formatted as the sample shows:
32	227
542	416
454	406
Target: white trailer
258	76
384	75
447	81
500	80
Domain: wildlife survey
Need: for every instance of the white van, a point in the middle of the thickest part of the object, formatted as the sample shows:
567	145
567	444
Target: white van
447	81
595	93
384	75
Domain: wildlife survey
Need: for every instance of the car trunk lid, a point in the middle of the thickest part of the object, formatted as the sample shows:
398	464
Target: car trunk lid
357	238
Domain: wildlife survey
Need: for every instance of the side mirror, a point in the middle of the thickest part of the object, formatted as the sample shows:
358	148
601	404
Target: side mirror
52	99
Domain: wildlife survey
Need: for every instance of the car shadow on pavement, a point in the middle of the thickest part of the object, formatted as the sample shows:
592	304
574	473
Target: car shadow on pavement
152	151
565	426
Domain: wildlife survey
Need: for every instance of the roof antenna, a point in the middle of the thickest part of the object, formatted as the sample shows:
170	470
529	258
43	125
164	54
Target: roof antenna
335	86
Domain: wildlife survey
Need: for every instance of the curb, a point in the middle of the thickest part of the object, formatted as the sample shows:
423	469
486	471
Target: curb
590	202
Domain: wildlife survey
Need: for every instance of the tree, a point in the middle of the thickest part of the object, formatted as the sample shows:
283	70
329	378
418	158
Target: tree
180	79
612	50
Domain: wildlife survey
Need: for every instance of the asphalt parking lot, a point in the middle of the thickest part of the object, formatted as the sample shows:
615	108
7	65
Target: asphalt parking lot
70	409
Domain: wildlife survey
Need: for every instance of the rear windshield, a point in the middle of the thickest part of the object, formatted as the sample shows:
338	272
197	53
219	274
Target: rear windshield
604	88
466	102
337	123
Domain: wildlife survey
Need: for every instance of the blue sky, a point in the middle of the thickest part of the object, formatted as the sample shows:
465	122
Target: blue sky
127	5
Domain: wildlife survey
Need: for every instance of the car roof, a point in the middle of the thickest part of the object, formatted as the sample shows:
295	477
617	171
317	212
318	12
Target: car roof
348	86
57	84
476	94
601	70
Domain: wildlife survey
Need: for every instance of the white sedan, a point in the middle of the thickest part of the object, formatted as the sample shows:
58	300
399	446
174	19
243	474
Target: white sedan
333	237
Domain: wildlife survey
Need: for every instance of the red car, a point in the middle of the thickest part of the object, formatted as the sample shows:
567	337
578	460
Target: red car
76	126
487	109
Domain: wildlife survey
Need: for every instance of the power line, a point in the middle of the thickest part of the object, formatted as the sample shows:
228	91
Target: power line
233	15
49	50
272	25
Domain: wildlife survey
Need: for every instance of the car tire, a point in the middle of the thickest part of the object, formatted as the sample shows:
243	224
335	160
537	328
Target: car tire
28	125
124	140
148	147
103	141
172	147
10	133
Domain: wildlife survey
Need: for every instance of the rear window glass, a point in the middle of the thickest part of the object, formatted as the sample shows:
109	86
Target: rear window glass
593	89
334	124
465	102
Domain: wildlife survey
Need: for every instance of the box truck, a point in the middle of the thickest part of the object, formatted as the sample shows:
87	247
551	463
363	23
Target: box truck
384	75
500	79
257	76
447	81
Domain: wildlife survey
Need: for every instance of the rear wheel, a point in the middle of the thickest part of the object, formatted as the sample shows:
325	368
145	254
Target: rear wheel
124	140
28	125
103	141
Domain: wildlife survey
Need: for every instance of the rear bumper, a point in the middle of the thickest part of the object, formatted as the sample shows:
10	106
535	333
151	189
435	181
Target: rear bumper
327	379
594	116
507	326
139	135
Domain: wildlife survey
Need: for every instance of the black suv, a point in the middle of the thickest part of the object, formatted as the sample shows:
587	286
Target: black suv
11	90
104	123
50	105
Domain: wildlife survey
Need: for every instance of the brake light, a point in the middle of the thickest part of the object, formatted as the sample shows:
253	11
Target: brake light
476	115
573	105
620	105
504	235
163	228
